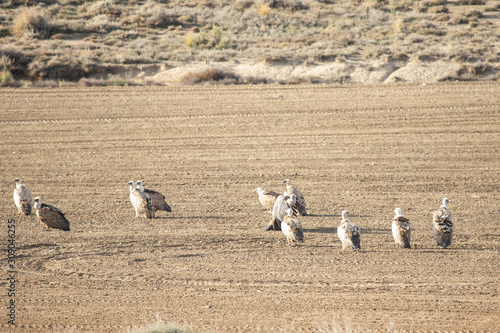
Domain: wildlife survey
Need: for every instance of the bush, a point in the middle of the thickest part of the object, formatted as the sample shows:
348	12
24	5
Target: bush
210	75
214	41
31	22
263	9
5	77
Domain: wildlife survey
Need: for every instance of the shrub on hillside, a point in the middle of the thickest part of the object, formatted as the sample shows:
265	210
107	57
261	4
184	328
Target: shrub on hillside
31	22
214	41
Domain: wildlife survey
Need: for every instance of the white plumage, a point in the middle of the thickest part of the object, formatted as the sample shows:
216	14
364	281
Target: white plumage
401	230
23	198
443	225
142	202
349	233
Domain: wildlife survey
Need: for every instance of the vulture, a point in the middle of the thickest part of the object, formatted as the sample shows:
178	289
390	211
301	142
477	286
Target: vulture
141	201
158	199
292	228
401	230
349	233
267	198
300	205
279	211
50	216
22	197
443	226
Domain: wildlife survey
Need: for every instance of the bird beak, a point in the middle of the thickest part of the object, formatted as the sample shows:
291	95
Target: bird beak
254	190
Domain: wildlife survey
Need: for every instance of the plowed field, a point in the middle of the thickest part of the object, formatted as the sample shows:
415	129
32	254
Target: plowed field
367	149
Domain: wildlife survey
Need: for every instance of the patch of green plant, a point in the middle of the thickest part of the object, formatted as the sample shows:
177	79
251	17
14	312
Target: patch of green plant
5	78
215	40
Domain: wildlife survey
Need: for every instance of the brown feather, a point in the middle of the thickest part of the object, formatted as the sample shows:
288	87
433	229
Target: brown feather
52	218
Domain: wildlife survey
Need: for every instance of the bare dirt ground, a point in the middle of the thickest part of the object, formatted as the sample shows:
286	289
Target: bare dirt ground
367	149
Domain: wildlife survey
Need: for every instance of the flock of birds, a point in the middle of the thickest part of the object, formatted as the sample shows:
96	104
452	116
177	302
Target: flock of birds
287	206
284	209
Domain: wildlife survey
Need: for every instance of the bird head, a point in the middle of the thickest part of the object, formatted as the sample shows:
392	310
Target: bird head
344	215
38	203
398	212
258	190
291	200
287	181
445	202
18	182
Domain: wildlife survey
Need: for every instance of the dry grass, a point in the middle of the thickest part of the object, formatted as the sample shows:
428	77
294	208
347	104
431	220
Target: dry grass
208	75
31	22
98	33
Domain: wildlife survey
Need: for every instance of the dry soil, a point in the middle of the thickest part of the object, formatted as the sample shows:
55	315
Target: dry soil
208	264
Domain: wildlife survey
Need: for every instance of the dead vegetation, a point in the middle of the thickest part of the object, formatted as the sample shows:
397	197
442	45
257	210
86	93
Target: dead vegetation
72	40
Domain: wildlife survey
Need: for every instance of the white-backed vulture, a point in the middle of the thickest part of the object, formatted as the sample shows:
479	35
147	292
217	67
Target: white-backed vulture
50	216
443	225
22	197
349	233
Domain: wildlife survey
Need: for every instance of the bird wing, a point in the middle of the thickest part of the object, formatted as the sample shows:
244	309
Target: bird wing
53	218
442	214
153	193
354	230
274	194
158	200
402	223
268	198
279	209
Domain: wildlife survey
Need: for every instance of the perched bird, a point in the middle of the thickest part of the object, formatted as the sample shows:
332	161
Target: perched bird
142	202
292	228
349	233
300	205
443	226
279	211
267	198
50	216
158	199
401	229
22	197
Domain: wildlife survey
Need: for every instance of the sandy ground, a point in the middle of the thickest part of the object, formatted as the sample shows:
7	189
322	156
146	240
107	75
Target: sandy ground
208	264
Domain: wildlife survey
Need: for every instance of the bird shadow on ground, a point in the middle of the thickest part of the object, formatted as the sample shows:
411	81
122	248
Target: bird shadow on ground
322	230
323	215
188	217
339	216
376	231
31	246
